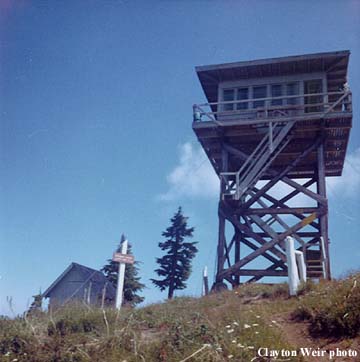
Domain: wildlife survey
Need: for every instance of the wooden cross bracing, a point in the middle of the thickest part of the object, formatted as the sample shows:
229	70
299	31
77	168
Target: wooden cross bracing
261	221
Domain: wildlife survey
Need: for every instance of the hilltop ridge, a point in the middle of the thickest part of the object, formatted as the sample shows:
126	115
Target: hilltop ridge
255	322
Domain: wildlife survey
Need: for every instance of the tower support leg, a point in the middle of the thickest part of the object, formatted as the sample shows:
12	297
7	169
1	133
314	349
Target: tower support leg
321	189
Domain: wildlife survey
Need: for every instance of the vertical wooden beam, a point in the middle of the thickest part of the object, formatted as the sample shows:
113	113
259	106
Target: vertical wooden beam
221	234
238	238
221	245
321	189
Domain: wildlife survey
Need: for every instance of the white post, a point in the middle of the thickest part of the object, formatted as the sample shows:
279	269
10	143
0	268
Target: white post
89	293
205	282
121	276
323	256
301	264
293	274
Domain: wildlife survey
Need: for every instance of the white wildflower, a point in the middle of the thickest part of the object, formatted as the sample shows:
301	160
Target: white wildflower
240	345
228	326
230	330
233	341
257	316
255	324
230	356
256	332
250	347
235	323
246	326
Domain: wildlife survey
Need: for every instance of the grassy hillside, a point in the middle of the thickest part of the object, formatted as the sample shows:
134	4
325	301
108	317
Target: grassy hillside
229	326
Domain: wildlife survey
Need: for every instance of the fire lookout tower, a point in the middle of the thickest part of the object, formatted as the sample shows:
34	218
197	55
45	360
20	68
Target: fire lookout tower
273	130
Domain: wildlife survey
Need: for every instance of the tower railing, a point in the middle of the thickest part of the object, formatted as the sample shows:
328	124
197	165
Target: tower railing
297	107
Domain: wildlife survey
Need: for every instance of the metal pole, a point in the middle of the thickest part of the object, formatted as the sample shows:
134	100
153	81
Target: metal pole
121	276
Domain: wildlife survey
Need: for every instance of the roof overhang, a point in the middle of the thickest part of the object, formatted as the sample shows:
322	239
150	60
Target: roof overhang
333	63
92	274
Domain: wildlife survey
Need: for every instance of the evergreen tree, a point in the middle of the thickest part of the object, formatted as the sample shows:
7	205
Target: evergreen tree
132	284
175	265
36	305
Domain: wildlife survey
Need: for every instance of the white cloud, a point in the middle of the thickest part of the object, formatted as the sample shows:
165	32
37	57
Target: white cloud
193	176
348	184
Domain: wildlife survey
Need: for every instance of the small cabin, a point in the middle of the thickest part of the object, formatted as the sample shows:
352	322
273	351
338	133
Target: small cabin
79	283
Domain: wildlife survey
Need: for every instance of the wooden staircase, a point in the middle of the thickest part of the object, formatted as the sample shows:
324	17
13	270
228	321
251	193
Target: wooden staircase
240	182
314	264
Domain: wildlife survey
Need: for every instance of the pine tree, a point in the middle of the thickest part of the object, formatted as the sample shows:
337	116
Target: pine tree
132	284
175	265
36	305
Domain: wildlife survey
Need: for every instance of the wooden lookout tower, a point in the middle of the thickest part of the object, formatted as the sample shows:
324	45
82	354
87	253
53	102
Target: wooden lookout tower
274	129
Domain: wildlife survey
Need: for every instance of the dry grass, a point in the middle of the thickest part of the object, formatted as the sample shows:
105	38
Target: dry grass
222	327
332	309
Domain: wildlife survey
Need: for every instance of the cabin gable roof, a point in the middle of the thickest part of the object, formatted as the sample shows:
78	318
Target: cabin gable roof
87	273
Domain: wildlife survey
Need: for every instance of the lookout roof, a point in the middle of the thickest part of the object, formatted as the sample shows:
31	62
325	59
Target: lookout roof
333	63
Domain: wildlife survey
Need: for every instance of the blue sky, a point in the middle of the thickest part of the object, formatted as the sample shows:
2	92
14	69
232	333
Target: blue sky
96	135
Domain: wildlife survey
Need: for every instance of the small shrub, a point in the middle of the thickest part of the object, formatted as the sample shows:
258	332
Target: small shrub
302	313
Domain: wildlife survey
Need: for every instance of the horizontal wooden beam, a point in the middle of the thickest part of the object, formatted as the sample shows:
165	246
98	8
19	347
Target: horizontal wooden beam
261	272
277	211
302	234
258	277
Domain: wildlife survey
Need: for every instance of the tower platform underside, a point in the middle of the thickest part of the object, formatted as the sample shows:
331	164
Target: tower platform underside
335	130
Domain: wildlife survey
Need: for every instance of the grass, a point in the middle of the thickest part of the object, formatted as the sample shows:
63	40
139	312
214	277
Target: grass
220	327
332	309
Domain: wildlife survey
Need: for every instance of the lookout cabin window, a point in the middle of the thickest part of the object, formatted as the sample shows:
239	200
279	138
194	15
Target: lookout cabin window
259	92
228	96
292	89
276	91
242	95
238	94
313	87
273	95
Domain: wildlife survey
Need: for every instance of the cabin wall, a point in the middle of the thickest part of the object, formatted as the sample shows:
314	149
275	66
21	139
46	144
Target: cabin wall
70	285
76	285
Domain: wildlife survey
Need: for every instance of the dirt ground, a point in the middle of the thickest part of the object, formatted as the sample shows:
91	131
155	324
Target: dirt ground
297	335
